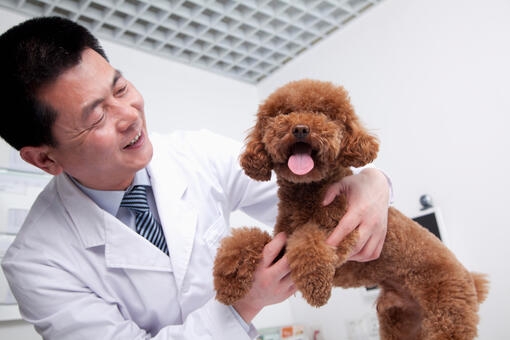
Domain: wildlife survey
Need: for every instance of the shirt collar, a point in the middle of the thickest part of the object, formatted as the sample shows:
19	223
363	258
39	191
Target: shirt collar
109	200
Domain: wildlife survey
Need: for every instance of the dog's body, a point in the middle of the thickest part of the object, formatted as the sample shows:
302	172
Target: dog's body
308	134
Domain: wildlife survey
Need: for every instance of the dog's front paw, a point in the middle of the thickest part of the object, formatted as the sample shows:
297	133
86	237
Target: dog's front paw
315	283
235	263
312	264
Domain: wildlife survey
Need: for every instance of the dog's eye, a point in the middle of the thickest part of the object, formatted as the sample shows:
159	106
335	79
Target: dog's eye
285	112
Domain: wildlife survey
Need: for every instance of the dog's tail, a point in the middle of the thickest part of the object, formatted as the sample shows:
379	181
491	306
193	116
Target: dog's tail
481	286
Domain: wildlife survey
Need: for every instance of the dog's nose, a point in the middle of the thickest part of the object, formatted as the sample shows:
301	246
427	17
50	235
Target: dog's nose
300	131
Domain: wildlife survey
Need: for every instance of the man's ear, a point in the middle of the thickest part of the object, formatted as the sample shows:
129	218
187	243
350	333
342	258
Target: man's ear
40	157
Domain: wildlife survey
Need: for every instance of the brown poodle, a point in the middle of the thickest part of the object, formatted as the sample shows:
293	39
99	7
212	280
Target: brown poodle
308	133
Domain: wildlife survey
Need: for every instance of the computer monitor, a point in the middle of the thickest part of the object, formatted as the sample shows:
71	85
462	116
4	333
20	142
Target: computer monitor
431	219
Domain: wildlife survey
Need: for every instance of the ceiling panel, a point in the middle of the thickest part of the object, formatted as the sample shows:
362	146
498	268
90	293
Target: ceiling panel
246	40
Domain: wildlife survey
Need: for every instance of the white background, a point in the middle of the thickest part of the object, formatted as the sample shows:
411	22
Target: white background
431	78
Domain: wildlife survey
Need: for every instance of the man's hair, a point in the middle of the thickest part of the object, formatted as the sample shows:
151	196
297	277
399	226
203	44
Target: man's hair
33	54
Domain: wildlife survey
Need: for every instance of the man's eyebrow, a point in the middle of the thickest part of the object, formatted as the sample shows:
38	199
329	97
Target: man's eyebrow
87	110
116	77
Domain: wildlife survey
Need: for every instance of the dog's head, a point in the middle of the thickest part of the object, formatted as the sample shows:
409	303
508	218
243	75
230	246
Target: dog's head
306	130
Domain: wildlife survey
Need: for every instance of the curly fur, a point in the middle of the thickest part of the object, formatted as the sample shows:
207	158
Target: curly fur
425	292
237	262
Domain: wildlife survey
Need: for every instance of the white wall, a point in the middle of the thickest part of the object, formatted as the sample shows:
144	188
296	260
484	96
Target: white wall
432	79
181	97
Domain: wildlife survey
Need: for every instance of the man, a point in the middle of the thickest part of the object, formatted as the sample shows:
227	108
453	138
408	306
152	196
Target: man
80	267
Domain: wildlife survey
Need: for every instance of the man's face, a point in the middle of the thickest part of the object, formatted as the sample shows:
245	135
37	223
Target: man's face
100	130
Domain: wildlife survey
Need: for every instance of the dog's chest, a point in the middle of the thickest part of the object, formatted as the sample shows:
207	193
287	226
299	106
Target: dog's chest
302	204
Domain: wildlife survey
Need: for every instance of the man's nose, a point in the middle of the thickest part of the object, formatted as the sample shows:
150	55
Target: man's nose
126	115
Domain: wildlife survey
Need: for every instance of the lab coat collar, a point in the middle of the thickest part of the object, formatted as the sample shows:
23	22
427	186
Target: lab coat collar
124	248
110	200
87	217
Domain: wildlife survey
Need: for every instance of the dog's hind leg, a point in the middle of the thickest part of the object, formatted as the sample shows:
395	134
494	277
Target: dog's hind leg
452	316
400	316
449	302
312	263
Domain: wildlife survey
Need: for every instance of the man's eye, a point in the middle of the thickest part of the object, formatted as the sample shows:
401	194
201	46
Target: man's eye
99	120
121	90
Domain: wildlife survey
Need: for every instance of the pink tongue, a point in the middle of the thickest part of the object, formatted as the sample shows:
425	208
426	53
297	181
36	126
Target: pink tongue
301	163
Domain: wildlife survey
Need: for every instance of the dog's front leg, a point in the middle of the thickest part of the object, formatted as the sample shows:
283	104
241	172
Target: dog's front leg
236	261
312	263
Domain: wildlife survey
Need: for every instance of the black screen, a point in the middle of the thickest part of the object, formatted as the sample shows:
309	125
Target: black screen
429	221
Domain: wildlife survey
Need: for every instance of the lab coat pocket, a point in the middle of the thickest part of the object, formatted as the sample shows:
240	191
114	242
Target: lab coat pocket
214	234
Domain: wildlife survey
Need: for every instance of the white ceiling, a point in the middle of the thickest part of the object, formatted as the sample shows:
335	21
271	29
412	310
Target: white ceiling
246	40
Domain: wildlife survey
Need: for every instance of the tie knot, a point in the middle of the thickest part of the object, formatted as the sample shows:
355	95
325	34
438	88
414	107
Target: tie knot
136	199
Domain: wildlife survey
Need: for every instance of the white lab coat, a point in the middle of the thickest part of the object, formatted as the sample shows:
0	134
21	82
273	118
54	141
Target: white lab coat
79	273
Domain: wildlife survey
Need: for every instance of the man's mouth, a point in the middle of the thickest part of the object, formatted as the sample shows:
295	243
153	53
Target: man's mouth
134	140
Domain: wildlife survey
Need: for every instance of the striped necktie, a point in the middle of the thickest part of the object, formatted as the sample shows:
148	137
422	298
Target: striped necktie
145	223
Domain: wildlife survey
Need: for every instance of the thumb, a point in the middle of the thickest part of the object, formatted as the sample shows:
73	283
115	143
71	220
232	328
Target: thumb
332	192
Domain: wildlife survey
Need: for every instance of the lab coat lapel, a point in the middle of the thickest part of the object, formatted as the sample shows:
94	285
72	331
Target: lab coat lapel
124	248
177	217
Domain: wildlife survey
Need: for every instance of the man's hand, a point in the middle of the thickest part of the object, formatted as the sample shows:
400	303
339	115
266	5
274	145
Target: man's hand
271	284
368	198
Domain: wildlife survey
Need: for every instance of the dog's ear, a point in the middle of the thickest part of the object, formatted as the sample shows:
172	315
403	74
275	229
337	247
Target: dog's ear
358	147
255	160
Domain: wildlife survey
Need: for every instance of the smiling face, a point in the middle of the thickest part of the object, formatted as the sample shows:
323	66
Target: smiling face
100	130
306	131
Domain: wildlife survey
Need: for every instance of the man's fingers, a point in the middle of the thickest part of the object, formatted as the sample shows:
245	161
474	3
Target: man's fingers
368	251
331	193
369	245
287	282
273	249
346	225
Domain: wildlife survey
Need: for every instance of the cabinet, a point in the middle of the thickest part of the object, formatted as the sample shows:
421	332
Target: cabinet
18	191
